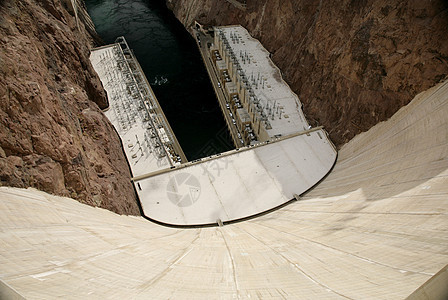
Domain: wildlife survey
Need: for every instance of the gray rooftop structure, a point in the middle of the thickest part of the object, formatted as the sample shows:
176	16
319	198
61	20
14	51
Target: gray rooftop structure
277	110
148	140
239	183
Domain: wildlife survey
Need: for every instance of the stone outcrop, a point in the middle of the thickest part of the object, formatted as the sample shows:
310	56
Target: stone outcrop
53	135
352	63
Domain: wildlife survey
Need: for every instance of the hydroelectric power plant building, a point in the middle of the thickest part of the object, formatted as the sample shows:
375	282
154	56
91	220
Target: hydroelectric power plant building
263	104
283	158
148	140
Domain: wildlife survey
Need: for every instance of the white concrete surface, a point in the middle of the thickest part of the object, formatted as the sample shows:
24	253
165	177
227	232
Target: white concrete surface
435	288
239	185
375	228
144	142
278	102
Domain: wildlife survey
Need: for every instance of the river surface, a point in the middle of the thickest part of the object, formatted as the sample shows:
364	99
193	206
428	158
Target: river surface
173	65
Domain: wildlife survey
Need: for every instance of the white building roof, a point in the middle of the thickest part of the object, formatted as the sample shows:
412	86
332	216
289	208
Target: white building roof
141	147
266	82
243	114
239	185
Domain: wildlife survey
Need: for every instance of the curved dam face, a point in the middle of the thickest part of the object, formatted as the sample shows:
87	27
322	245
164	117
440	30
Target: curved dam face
374	228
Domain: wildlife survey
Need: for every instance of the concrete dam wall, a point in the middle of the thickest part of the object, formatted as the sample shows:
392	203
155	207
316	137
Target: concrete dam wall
375	228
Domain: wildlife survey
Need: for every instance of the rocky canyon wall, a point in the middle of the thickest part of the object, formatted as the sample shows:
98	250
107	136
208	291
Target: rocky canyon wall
352	63
53	135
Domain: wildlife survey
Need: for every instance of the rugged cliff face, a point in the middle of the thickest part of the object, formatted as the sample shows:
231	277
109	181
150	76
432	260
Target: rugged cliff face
352	63
53	135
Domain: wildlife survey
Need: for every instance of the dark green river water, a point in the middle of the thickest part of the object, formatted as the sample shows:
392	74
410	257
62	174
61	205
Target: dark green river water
173	65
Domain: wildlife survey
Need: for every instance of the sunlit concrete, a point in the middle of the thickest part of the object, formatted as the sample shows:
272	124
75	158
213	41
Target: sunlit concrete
274	108
435	288
238	184
375	228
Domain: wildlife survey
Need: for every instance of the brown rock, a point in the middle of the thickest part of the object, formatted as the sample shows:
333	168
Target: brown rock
51	125
45	174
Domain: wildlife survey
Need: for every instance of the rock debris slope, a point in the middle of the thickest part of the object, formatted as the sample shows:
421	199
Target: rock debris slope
352	63
53	135
375	228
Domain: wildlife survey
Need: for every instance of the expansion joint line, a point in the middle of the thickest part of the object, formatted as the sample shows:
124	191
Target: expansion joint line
237	288
165	271
348	253
296	266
